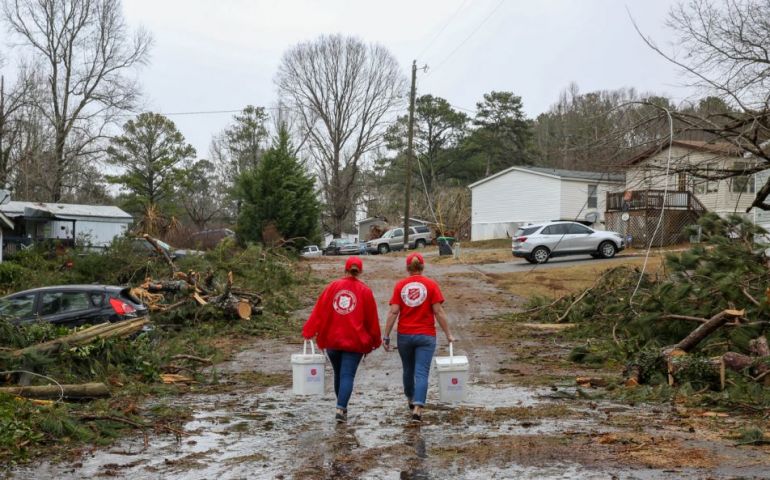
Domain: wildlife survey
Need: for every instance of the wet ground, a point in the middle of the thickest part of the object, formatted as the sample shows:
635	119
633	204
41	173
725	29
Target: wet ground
523	418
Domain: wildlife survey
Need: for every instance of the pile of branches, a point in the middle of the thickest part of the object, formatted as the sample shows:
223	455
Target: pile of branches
182	289
705	316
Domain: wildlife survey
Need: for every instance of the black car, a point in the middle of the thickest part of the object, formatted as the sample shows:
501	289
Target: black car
72	305
341	246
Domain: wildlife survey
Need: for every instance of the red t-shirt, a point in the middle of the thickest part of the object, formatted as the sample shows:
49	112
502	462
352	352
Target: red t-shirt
415	295
345	318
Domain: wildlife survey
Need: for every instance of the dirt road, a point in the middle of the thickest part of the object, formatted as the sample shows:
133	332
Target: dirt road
524	418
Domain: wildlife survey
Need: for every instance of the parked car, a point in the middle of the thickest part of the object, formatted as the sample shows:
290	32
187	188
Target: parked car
393	239
141	245
311	251
538	243
341	246
72	305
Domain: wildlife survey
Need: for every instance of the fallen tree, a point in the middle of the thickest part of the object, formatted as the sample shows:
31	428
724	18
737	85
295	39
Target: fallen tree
102	331
700	320
81	391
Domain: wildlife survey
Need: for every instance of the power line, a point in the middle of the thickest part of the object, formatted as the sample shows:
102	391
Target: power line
446	24
473	32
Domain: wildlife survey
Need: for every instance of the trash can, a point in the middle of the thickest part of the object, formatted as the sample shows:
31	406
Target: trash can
308	371
452	377
445	245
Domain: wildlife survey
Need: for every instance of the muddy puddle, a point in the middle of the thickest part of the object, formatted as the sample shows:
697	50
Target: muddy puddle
504	430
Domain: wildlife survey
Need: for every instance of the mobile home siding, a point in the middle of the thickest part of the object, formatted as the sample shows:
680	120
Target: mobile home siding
574	198
503	203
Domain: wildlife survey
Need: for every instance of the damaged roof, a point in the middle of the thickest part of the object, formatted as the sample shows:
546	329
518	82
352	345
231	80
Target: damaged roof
64	211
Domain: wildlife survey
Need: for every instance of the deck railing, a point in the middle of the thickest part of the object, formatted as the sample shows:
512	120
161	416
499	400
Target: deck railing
653	200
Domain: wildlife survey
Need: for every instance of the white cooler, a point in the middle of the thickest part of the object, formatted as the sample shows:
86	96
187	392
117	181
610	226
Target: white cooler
308	371
452	377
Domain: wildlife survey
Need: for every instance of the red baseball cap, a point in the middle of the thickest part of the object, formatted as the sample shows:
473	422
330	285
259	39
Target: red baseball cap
413	256
354	261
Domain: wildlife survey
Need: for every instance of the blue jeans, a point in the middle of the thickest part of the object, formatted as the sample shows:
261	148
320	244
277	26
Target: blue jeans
345	365
416	353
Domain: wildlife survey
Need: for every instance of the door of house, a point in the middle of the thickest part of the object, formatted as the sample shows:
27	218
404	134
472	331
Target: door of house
682	182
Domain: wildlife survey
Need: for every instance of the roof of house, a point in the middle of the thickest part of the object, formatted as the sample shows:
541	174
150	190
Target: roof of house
63	210
372	219
599	177
720	148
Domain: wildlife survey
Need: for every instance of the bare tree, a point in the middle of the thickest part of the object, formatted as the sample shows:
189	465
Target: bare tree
13	99
724	47
86	51
344	91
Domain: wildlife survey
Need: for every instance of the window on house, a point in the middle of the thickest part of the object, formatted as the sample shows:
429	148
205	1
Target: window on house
741	183
703	184
593	196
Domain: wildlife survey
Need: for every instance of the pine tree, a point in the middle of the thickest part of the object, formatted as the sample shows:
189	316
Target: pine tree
278	197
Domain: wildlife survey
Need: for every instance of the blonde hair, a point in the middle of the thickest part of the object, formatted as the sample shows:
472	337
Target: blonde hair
415	266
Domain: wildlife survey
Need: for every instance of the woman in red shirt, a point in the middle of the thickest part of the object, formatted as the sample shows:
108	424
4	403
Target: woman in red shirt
416	303
345	323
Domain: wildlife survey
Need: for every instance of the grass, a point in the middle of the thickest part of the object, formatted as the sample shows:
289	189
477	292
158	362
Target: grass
556	282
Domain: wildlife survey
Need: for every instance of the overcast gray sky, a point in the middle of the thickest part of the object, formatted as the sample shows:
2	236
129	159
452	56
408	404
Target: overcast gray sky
223	55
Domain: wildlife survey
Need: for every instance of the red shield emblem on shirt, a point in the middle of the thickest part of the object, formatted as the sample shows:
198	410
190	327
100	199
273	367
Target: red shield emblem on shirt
413	293
454	381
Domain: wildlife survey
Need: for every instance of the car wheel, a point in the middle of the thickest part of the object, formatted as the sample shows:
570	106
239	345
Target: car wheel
540	255
383	248
530	259
596	255
420	244
607	250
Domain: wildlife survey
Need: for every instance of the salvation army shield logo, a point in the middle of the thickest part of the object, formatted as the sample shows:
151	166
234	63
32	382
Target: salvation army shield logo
414	294
344	302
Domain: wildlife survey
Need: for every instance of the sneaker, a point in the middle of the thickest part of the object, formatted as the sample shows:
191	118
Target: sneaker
411	407
416	418
341	417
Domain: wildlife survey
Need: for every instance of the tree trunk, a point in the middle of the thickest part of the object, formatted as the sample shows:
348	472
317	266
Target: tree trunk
54	392
706	329
83	337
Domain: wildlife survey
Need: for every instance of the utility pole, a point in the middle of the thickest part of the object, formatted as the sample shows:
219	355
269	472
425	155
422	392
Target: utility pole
410	137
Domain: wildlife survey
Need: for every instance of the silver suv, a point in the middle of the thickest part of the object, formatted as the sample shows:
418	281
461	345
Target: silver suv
393	239
538	243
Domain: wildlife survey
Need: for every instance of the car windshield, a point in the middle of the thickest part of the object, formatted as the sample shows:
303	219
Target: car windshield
523	232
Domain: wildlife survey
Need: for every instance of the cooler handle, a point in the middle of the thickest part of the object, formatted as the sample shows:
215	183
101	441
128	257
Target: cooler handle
304	347
451	353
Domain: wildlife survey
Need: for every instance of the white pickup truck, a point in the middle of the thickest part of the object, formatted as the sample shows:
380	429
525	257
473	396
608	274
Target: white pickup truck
393	239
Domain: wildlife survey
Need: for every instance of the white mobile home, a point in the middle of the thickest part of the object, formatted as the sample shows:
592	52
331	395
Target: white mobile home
502	202
89	225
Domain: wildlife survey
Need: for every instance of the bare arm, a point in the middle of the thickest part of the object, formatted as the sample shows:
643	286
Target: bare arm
440	314
392	317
